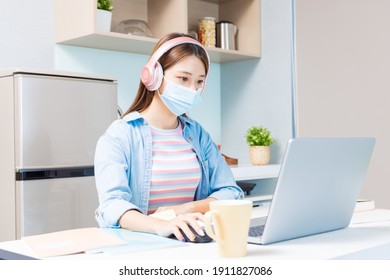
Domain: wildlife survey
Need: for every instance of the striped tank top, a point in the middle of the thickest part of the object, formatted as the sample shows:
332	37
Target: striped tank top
175	170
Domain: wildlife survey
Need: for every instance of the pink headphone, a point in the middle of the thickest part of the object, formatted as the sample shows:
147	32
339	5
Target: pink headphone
152	73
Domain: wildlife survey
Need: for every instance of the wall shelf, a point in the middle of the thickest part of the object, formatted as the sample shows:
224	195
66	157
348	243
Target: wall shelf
252	172
143	45
261	200
77	27
243	172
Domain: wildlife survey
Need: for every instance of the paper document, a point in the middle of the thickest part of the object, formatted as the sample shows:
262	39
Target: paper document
136	242
71	241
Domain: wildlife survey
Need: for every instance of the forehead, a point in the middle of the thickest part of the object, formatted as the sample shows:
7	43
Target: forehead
191	64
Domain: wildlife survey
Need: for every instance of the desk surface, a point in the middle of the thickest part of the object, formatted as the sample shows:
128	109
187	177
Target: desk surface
368	237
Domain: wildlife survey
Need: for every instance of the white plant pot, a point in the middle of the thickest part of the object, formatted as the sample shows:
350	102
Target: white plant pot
103	20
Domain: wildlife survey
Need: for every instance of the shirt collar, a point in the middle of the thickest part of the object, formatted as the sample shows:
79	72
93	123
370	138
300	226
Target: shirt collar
185	119
132	116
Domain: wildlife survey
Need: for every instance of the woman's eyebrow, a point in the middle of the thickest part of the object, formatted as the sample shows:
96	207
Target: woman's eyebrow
184	72
189	73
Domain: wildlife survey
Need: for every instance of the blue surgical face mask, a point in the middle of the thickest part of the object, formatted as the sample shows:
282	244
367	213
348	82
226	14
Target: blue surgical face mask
180	99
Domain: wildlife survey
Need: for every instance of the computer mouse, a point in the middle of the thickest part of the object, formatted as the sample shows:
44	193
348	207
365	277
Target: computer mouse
198	238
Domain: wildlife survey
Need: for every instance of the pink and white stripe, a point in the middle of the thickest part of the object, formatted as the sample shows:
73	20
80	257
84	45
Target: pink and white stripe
175	171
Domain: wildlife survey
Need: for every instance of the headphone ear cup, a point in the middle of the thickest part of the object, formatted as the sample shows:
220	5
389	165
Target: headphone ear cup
152	73
156	79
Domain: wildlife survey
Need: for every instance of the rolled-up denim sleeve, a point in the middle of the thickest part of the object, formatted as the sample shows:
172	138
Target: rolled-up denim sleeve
222	182
112	183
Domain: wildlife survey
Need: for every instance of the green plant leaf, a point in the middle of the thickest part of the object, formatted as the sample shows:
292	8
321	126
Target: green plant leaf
105	5
258	136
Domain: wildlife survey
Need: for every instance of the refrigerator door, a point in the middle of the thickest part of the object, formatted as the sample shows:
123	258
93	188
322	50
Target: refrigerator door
55	204
59	119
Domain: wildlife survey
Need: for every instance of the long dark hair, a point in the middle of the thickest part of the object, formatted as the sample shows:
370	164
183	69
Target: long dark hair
144	97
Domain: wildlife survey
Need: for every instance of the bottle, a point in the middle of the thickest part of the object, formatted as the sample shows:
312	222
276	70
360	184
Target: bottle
207	31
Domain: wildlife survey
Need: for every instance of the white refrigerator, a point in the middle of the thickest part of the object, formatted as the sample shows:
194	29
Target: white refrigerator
50	123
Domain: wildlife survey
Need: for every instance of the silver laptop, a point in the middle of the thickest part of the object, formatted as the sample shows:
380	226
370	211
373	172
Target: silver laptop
317	188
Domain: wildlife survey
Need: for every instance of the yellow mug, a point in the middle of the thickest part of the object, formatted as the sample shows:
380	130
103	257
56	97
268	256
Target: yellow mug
227	223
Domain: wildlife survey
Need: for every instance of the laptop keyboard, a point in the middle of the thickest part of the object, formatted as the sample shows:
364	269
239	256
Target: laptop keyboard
256	231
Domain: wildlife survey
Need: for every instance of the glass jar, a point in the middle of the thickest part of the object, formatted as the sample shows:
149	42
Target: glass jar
207	31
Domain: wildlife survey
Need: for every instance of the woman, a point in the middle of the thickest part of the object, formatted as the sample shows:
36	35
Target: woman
156	158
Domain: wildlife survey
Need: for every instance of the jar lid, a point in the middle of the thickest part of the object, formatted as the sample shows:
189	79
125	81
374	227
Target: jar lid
208	18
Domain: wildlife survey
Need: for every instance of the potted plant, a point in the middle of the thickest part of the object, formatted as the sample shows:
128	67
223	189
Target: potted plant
104	15
259	140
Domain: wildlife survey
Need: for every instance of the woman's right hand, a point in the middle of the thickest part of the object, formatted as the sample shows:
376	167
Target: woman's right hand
182	222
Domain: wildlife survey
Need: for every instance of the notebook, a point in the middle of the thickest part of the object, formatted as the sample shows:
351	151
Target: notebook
318	185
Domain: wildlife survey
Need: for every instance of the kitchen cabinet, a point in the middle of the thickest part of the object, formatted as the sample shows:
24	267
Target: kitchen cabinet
76	24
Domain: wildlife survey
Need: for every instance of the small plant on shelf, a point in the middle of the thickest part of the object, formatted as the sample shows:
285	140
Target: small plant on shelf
105	5
258	136
259	140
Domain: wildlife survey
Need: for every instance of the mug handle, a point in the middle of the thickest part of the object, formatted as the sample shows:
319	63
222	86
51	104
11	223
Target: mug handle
212	216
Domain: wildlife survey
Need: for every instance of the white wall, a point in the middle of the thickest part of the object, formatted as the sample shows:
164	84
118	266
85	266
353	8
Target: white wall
259	91
343	89
27	33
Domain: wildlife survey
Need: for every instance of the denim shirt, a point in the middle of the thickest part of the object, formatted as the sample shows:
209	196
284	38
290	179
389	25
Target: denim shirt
123	167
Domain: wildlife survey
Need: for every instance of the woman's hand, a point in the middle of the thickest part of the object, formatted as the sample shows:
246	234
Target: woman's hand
187	214
182	222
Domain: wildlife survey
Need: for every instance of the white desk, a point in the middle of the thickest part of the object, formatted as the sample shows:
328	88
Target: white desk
369	231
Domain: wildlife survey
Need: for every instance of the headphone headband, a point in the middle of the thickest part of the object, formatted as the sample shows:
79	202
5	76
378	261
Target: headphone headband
152	72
